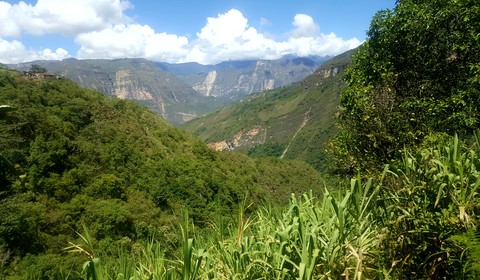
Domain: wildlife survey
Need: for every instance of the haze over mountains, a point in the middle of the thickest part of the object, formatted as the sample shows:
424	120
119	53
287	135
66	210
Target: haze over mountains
180	92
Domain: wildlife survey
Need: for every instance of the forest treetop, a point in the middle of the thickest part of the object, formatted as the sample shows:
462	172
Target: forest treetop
416	76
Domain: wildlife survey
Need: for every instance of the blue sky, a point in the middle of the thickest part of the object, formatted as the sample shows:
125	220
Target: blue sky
207	31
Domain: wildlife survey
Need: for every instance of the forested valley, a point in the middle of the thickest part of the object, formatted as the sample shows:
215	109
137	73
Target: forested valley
99	188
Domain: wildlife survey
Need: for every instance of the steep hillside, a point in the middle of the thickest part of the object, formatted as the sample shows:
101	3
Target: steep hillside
236	79
71	156
290	122
136	79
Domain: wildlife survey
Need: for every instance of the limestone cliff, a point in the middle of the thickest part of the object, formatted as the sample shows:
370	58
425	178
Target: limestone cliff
135	79
237	79
127	86
207	86
253	136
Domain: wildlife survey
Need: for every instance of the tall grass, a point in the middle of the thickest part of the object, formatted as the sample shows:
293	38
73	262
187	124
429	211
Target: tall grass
433	197
92	267
416	221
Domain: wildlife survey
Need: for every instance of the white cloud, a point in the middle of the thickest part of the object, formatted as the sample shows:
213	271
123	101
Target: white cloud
68	17
304	26
224	30
15	52
229	37
102	30
166	47
131	40
322	45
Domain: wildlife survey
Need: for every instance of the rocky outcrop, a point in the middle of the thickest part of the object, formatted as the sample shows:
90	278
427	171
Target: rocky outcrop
134	79
127	86
238	79
254	136
185	93
207	86
287	121
332	71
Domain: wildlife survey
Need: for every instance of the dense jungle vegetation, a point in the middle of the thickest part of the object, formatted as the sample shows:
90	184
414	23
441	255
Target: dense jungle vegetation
96	188
71	157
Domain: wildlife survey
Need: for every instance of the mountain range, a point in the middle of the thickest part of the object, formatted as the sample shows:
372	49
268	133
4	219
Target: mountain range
179	92
287	109
237	79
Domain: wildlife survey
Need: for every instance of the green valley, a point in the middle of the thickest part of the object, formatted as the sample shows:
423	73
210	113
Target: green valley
293	122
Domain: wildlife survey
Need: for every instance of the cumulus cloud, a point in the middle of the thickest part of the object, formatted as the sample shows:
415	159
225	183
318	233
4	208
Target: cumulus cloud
15	52
132	40
229	37
68	17
321	45
224	29
101	29
304	26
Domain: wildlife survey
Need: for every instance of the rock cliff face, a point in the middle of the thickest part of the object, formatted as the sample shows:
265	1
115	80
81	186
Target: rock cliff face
178	92
135	79
237	79
258	134
332	71
127	86
206	88
259	76
251	137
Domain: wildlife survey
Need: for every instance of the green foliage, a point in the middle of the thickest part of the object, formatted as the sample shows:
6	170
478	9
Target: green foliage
74	156
35	68
6	166
309	239
417	74
4	109
433	197
417	220
18	226
267	150
470	241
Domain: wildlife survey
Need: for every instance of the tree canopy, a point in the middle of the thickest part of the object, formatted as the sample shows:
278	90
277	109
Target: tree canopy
417	75
36	68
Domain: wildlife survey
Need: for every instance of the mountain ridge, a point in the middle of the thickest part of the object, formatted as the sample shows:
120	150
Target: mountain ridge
178	92
136	79
295	121
237	79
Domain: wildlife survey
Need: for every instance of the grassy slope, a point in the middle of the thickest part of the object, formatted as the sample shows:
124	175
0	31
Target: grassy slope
300	117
